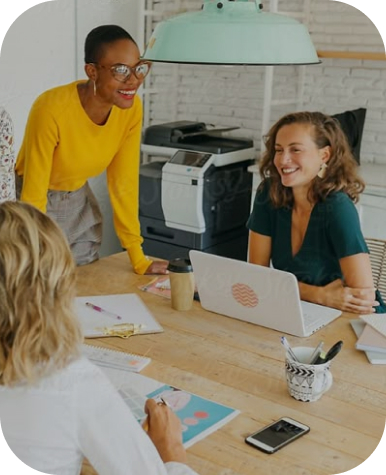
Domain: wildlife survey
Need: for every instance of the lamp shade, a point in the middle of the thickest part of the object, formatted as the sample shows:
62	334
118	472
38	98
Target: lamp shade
231	32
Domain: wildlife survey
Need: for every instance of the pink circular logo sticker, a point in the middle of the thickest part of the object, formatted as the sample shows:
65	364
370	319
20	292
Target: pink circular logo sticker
244	295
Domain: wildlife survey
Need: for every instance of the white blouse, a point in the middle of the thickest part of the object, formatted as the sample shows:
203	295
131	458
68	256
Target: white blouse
77	413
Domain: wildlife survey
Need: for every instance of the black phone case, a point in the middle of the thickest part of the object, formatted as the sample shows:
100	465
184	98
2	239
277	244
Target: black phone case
275	449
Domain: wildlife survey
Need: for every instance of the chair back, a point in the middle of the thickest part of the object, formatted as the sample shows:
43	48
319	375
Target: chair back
377	248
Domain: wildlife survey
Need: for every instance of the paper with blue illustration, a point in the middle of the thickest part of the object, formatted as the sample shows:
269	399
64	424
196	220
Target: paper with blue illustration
199	416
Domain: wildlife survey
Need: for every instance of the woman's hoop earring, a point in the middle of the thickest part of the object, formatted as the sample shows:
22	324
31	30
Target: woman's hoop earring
322	171
94	88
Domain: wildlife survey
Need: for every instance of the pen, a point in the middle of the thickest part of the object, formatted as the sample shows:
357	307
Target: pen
286	345
149	284
105	312
315	355
331	353
164	402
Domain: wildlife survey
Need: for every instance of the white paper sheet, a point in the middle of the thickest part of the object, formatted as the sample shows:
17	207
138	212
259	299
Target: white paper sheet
129	306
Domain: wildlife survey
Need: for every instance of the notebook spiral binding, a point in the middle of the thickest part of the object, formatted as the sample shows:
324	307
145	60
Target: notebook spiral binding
114	358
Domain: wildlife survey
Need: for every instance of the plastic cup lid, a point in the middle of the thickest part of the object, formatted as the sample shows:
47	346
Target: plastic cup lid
180	266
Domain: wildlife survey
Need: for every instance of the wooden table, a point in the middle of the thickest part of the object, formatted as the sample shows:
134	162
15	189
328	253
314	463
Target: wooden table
242	365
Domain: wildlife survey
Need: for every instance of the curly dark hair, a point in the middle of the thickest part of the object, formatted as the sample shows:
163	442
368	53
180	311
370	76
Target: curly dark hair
341	173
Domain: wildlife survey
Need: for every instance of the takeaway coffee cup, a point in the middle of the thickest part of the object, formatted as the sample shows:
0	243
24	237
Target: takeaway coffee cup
306	382
181	283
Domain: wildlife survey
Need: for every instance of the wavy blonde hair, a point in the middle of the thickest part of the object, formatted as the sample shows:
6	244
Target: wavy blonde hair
39	332
341	172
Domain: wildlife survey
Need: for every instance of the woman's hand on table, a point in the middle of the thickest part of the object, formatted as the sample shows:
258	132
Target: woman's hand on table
157	267
348	299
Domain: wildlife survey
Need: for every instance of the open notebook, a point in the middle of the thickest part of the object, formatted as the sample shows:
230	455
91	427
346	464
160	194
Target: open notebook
119	315
199	416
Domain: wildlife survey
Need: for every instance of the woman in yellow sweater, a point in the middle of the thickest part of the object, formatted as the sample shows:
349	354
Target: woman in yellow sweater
77	131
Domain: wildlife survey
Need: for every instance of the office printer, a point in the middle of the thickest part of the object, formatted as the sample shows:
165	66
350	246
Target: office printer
166	139
200	197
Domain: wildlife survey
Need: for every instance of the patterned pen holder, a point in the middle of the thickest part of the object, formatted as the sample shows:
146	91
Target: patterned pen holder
306	382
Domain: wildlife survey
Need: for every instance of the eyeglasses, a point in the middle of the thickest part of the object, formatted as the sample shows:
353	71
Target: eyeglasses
122	72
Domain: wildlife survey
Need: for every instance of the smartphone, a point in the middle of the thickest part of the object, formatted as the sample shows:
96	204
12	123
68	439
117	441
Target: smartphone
273	437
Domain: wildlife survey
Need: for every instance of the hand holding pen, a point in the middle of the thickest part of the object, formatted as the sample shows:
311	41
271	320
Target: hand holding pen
160	402
165	430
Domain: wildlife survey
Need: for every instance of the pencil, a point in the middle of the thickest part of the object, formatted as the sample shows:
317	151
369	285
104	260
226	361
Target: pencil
148	285
145	424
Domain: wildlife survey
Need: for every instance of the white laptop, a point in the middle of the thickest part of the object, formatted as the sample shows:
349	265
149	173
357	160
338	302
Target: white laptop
256	294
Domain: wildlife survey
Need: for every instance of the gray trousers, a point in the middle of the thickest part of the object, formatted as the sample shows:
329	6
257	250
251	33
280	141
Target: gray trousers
80	218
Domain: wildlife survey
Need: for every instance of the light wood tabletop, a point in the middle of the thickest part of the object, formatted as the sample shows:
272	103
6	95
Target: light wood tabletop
242	365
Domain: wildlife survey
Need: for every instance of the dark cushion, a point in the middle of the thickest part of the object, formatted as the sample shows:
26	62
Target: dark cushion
352	123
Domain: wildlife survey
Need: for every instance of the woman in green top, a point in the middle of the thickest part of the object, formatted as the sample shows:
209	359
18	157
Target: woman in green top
304	219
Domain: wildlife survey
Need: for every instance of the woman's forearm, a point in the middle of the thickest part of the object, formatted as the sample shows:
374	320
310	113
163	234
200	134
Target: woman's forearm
311	293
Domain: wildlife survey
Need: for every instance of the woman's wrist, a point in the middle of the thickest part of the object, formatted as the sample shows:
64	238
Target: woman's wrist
172	454
139	261
319	295
311	293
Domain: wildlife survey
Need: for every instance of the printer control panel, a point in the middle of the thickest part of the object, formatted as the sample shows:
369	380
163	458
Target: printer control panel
190	158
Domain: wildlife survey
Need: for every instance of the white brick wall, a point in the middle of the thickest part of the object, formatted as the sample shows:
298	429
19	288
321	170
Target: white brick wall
233	96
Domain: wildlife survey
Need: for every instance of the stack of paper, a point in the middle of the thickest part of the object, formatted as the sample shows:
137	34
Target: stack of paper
371	333
376	321
371	340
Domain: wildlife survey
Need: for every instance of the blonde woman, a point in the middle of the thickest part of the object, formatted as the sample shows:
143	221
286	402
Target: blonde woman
55	406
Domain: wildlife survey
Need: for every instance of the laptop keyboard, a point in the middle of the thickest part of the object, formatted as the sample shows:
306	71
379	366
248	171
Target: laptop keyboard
316	317
312	323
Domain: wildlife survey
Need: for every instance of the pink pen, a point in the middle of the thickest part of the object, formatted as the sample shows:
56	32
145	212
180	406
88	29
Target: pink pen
105	312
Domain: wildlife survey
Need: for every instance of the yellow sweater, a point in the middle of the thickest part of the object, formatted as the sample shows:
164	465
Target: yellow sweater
62	148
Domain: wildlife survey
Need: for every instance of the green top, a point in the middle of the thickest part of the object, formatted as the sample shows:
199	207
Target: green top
333	232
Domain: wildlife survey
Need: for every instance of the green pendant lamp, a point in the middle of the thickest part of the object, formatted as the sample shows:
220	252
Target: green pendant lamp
231	32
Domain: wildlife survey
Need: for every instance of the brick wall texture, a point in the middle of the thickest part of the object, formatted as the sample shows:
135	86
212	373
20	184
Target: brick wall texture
233	96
